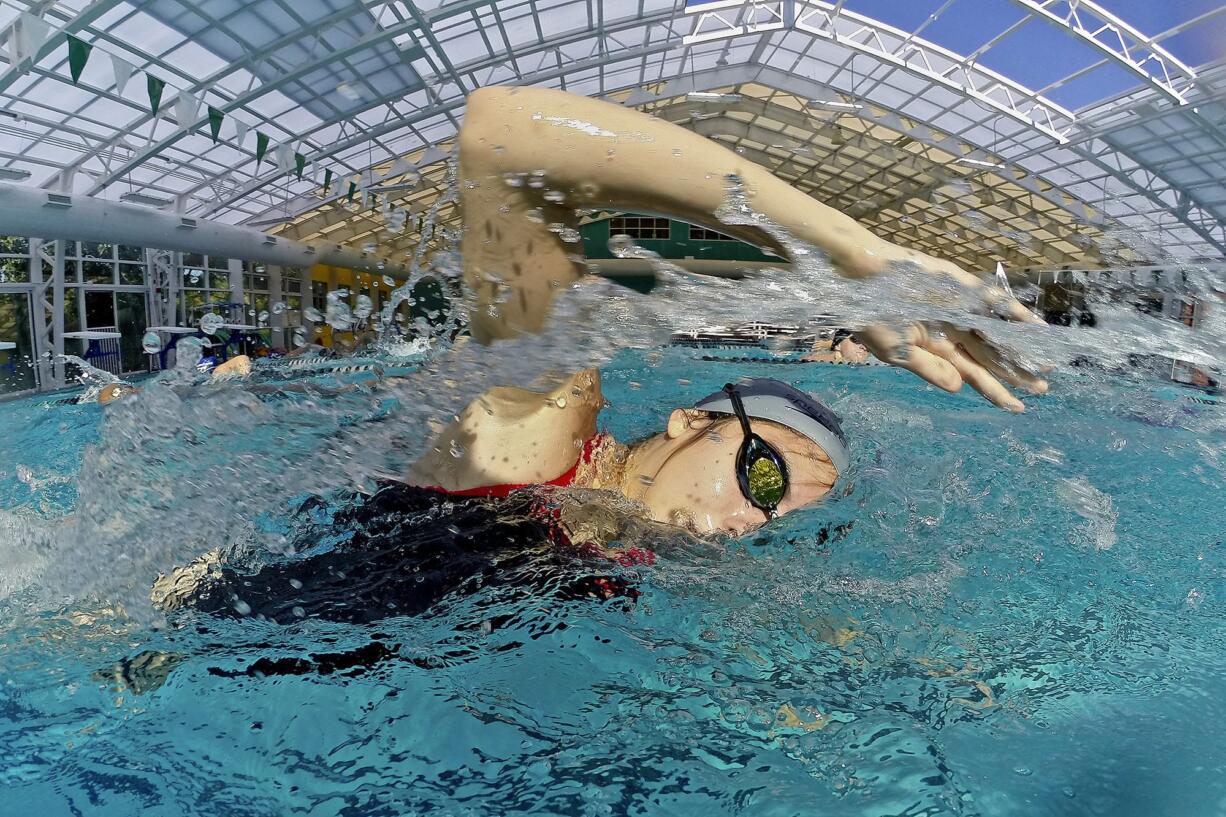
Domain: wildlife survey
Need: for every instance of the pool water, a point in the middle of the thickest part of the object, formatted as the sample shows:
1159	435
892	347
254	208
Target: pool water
1003	615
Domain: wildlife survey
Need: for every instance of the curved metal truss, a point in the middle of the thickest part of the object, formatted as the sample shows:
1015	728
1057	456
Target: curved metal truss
734	18
374	90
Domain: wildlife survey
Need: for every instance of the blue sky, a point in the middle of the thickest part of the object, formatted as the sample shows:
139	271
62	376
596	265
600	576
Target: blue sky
1039	53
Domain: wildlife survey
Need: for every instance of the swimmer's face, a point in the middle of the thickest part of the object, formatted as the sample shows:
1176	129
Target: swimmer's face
687	476
852	351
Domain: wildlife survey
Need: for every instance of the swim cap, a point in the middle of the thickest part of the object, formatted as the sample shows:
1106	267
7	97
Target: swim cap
779	402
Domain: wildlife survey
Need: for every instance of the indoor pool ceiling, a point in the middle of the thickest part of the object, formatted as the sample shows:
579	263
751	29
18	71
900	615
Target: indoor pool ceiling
949	125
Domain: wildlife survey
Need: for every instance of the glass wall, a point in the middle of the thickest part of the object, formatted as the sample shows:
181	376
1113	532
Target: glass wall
204	282
16	372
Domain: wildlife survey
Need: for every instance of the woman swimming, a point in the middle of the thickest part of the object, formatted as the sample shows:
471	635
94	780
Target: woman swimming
745	454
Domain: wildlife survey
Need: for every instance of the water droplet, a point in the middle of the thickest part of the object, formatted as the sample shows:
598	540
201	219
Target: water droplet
535	215
513	179
1023	771
646	480
260	268
312	315
210	322
278	307
368	247
634	385
556	196
622	245
298	611
389	280
263	316
300	337
242	608
339	316
536	179
381	265
560	401
251	313
487	627
570	235
294	583
363	308
456	449
151	343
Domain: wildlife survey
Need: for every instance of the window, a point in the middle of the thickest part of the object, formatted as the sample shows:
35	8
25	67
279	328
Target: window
703	234
639	227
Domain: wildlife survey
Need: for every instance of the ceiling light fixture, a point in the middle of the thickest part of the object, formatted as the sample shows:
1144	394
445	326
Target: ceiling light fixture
142	198
976	162
711	96
834	103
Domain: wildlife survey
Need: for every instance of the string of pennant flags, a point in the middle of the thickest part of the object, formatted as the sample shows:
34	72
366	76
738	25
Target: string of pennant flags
34	31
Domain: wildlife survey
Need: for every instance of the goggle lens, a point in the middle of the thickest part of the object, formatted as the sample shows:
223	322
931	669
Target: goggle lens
767	483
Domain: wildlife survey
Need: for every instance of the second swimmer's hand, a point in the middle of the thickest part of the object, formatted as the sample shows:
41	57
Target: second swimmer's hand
947	357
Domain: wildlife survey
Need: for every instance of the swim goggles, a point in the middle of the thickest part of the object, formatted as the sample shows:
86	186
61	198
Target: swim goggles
761	472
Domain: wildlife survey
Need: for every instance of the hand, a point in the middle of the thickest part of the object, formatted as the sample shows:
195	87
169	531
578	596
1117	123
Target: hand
948	356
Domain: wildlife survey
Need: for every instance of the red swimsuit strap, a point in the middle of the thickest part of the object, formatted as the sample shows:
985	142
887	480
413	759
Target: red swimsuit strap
500	491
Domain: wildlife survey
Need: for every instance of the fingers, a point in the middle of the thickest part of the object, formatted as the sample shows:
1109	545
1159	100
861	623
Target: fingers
973	373
890	347
983	353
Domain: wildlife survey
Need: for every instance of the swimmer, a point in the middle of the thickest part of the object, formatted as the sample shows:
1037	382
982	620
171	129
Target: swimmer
236	367
841	348
597	155
745	454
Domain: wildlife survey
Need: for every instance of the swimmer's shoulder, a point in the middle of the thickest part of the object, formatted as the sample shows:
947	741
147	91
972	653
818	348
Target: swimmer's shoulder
511	435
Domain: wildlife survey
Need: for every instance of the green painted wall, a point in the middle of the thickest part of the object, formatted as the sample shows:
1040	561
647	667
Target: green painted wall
677	246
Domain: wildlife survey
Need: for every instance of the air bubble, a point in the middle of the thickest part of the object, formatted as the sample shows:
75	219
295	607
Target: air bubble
151	343
278	307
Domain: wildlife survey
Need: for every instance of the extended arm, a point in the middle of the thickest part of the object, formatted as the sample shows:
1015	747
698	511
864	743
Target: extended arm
591	154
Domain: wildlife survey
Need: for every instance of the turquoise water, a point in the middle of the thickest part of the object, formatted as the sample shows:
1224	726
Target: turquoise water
1005	615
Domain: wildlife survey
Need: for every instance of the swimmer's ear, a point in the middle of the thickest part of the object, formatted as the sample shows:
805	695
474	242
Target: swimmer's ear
681	420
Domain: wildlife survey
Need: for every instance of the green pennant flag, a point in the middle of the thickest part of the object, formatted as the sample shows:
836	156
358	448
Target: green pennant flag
78	55
327	181
155	86
353	188
261	147
215	117
299	164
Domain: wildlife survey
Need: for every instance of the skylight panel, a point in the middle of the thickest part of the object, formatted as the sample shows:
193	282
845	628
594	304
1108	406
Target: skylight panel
195	61
146	33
